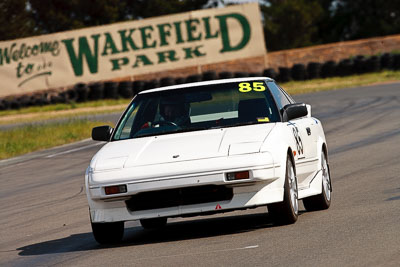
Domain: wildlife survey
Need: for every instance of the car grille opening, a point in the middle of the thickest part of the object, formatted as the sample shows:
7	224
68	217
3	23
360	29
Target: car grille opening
179	197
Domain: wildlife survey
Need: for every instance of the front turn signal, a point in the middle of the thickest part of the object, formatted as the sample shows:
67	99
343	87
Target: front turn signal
115	189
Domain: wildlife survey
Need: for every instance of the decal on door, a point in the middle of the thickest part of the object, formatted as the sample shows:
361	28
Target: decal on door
299	142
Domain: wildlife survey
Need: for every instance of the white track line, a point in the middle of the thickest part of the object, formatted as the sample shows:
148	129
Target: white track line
74	150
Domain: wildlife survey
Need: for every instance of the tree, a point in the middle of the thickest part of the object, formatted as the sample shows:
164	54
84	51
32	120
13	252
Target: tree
356	19
60	15
153	8
23	18
15	20
291	23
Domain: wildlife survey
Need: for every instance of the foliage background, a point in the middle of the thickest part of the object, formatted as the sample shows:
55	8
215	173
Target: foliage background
287	23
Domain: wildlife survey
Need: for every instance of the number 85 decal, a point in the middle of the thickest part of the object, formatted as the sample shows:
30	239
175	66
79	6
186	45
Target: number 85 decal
247	87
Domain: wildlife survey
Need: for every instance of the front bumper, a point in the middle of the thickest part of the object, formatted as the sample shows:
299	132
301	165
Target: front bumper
263	186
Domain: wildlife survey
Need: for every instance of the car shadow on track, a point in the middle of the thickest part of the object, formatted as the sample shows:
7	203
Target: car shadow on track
175	231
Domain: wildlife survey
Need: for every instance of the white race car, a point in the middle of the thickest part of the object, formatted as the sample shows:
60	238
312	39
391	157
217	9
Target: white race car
204	148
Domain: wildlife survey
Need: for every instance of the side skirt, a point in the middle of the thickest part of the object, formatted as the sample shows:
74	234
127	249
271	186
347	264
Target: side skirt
314	188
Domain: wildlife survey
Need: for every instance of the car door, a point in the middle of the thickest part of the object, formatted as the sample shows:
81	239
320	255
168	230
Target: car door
303	133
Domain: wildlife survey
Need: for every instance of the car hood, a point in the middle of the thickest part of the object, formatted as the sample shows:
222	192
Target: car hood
181	147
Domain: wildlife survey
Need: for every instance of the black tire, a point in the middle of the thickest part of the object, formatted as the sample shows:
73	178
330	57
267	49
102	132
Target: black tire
287	211
299	72
360	64
46	99
37	100
153	223
314	70
2	106
373	64
241	74
179	80
386	61
96	91
55	99
125	89
285	74
14	104
225	75
138	86
5	104
328	69
167	81
72	95
63	97
110	90
209	76
151	84
82	91
323	200
345	68
24	101
270	73
396	62
193	78
108	233
255	74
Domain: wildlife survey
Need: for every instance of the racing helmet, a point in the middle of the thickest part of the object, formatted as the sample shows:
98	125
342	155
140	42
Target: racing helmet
175	109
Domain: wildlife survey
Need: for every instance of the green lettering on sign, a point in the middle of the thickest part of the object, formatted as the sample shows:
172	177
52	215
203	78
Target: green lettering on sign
223	25
163	56
164	33
207	26
83	52
189	52
142	60
127	40
179	38
5	53
147	35
190	28
109	45
118	62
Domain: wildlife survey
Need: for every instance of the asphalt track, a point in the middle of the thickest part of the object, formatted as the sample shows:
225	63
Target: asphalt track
44	218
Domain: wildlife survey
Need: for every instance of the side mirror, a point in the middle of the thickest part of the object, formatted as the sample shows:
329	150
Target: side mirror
102	133
294	111
308	110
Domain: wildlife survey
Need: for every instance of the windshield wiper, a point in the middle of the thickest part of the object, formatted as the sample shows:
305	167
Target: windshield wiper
178	130
190	129
237	124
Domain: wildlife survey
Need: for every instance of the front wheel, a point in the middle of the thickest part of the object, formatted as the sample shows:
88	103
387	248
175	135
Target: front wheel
108	233
323	200
286	212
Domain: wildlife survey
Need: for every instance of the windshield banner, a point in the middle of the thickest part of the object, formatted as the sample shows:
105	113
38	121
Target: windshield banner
131	48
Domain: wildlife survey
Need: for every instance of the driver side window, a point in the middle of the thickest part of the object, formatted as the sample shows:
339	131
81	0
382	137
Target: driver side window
280	98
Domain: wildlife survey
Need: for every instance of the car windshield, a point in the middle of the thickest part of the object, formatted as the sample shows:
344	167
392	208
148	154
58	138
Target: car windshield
197	108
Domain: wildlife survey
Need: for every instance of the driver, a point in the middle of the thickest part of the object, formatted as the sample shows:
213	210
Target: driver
175	111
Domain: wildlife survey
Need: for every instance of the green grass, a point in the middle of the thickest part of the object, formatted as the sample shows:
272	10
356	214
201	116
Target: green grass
316	85
70	106
22	140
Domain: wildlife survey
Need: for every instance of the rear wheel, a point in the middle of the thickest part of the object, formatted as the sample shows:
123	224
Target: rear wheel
323	200
153	223
108	233
286	212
